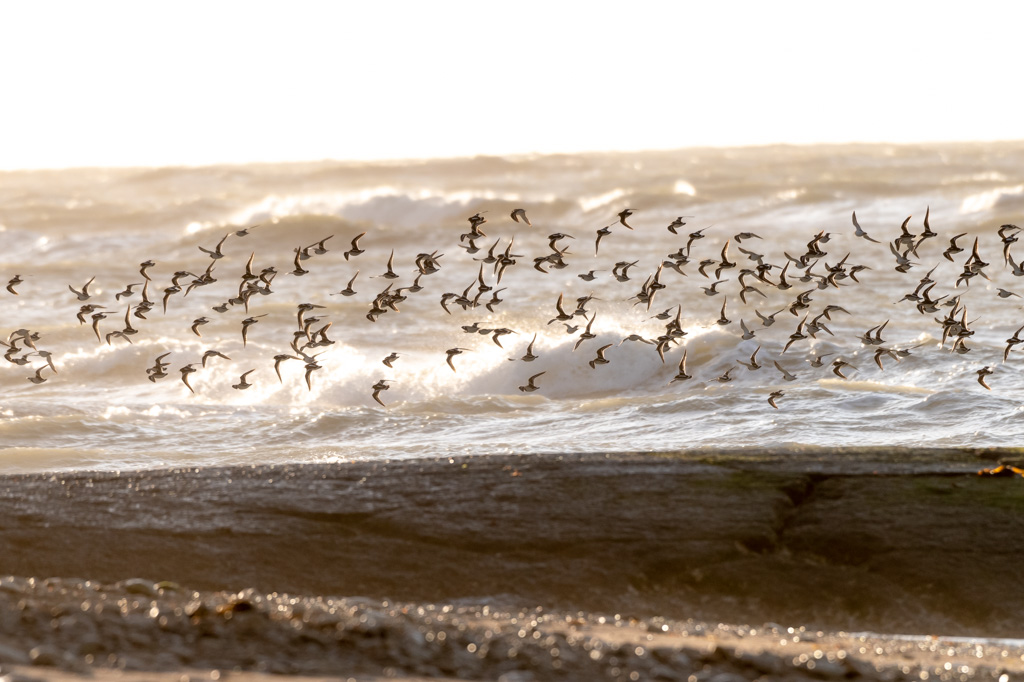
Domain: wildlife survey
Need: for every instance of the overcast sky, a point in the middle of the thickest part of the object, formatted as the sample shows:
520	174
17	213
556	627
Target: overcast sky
147	83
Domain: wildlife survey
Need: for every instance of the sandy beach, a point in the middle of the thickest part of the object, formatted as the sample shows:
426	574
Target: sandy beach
642	566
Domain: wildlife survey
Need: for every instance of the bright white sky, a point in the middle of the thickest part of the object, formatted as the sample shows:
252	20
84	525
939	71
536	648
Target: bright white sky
153	83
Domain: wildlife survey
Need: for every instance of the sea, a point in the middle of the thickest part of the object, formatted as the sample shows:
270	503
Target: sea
269	248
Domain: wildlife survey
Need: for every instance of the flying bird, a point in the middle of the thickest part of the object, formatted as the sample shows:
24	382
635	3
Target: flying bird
530	385
520	213
82	295
600	359
242	383
452	352
381	385
185	372
623	214
860	232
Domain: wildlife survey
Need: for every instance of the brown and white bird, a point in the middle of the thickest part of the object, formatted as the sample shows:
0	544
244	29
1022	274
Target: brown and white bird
38	378
248	322
390	274
319	248
185	371
242	383
213	354
348	290
278	359
982	373
753	364
84	294
216	253
600	359
529	356
355	250
310	368
837	368
452	352
14	281
530	385
381	385
788	376
623	214
860	232
681	375
520	213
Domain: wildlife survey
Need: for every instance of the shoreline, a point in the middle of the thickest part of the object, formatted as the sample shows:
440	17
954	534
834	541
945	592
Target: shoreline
866	543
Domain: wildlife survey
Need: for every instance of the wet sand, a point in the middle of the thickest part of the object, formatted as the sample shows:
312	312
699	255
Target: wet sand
356	568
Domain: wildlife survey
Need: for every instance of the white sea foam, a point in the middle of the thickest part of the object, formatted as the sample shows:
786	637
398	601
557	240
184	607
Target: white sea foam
989	199
588	204
685	188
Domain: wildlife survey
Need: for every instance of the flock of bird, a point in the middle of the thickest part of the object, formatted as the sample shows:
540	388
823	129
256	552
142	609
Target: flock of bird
735	266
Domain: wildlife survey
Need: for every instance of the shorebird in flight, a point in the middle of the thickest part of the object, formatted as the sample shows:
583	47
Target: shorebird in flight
788	376
82	295
860	232
14	281
600	359
520	213
38	378
452	352
1012	341
213	354
725	378
355	250
753	364
299	271
530	385
953	248
278	359
681	375
319	248
248	322
216	252
381	385
625	213
390	274
601	233
242	383
529	356
348	290
694	236
837	368
185	371
311	367
677	223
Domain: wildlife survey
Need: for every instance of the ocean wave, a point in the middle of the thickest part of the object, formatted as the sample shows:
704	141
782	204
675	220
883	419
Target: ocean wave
990	199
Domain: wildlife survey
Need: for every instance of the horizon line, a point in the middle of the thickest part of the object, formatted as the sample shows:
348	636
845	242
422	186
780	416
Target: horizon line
390	160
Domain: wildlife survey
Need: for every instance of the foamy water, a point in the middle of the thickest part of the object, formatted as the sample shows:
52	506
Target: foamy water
100	411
